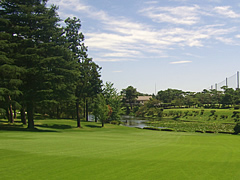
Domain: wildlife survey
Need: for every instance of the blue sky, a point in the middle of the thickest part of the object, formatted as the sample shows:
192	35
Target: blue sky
181	44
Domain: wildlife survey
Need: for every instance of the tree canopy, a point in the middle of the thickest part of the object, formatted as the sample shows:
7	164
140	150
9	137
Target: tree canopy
42	63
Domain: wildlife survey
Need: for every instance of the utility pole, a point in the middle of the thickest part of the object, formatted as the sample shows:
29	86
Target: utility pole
226	82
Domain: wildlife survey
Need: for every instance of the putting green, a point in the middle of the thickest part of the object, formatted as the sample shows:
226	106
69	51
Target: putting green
116	152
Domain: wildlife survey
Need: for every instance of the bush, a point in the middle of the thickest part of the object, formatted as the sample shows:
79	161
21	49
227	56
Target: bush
186	113
196	113
235	113
237	128
160	113
236	119
170	113
178	114
115	122
223	116
135	109
237	107
181	131
212	112
202	111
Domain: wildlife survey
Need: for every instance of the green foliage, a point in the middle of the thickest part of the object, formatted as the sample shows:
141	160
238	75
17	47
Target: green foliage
87	81
101	109
235	113
169	95
186	113
237	128
129	96
236	107
39	51
215	117
115	122
43	66
212	112
113	99
150	109
142	111
136	108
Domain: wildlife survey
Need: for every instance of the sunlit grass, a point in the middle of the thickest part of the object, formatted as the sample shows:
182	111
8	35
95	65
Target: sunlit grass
59	150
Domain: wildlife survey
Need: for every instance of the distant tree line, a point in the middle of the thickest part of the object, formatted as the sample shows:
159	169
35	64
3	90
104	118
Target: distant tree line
174	98
228	97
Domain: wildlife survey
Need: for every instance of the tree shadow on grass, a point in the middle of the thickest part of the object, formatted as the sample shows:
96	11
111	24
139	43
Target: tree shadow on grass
3	121
93	126
55	126
9	127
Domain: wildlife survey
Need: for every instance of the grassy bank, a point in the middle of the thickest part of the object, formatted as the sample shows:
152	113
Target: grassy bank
221	115
58	150
200	120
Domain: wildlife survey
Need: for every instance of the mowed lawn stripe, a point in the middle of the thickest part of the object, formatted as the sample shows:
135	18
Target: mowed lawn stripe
118	153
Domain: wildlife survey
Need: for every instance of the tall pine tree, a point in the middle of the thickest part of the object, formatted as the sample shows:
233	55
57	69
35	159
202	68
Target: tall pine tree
88	83
40	51
9	73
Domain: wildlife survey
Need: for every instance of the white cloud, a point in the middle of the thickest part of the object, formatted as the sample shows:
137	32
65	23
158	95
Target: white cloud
192	55
121	39
180	62
216	1
151	2
187	15
102	59
117	71
226	11
228	41
128	39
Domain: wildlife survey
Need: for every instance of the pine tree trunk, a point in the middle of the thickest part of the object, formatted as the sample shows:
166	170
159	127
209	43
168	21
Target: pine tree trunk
131	106
30	113
86	110
23	115
58	112
10	114
78	114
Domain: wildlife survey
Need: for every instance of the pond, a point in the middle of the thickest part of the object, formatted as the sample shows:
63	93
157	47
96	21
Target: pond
132	121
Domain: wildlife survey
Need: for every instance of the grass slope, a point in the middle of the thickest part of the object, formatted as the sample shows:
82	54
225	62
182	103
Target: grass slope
60	151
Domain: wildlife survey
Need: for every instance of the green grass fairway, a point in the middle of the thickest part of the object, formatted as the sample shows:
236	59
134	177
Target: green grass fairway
115	152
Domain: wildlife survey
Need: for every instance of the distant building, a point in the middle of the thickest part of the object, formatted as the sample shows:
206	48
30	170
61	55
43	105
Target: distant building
143	99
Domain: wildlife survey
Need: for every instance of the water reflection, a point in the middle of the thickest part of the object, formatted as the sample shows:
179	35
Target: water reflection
132	121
